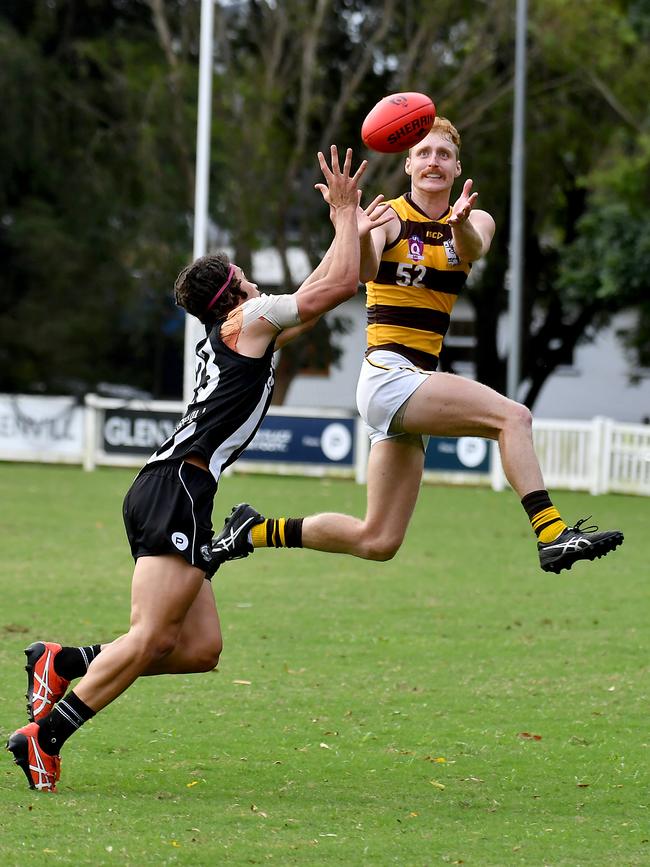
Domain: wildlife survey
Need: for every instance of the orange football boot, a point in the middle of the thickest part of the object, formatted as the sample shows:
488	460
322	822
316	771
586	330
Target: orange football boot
42	770
44	686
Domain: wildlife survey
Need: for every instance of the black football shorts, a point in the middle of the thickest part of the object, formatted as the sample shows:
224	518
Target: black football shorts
168	510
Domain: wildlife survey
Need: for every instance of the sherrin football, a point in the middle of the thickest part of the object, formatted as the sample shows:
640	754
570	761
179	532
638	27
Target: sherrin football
398	122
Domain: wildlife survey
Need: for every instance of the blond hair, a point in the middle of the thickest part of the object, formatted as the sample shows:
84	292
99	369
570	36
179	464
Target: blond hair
445	128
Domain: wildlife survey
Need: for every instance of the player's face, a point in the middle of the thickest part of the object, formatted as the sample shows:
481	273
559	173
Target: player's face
433	164
249	288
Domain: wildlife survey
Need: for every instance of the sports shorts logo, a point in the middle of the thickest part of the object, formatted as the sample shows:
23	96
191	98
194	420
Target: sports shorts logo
180	540
206	553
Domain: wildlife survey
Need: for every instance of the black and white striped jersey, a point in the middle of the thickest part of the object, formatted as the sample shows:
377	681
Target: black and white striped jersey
231	396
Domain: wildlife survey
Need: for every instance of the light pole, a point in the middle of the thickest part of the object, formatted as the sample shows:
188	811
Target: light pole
517	185
193	331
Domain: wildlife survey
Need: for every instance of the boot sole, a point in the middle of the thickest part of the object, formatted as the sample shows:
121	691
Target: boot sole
594	552
18	747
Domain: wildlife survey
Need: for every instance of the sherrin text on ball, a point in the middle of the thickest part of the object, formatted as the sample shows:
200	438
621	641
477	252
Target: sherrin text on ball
398	122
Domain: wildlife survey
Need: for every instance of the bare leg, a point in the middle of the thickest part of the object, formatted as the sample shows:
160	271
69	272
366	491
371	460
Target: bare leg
199	642
449	405
394	476
444	405
163	591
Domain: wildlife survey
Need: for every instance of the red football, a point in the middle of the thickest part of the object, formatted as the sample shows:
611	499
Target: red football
398	122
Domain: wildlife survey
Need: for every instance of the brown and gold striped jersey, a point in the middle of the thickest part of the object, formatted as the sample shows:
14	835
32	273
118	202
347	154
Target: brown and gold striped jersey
420	275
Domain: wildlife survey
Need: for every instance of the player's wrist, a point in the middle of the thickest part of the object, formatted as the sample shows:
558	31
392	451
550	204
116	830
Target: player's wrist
346	206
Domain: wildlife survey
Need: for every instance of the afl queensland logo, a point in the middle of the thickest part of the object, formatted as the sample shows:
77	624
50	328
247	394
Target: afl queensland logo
180	540
416	248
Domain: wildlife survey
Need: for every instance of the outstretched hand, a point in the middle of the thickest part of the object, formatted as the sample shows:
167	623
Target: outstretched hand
463	205
377	213
341	189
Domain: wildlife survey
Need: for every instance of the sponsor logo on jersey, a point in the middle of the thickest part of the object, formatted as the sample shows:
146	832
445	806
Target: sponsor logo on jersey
416	248
452	255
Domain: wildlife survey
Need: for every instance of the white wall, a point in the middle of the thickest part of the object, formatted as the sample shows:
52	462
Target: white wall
339	388
598	384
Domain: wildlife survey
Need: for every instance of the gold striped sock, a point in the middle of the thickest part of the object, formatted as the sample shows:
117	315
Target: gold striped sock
547	524
269	534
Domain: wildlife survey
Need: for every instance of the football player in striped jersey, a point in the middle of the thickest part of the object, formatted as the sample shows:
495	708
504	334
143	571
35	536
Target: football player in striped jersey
414	266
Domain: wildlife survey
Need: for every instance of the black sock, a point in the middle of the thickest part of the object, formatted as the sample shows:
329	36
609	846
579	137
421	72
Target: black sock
72	662
293	532
64	720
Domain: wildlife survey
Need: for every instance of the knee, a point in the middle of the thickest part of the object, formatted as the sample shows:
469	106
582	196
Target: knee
381	547
519	418
153	646
206	657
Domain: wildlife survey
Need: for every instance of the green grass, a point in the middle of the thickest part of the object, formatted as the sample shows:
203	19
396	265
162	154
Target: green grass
384	716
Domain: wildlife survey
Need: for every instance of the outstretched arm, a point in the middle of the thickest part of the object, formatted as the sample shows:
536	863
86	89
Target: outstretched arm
472	230
374	215
378	224
340	276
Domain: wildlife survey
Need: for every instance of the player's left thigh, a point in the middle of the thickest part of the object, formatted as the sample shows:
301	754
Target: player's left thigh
450	405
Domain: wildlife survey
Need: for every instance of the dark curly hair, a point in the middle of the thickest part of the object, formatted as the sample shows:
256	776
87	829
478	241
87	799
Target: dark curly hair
198	283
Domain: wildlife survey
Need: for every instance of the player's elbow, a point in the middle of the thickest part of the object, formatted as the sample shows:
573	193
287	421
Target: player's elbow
335	291
367	274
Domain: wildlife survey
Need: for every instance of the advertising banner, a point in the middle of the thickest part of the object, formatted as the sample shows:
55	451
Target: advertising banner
303	440
34	428
136	431
280	439
459	455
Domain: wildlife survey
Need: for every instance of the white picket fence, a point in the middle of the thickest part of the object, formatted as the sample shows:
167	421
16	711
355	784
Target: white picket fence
600	456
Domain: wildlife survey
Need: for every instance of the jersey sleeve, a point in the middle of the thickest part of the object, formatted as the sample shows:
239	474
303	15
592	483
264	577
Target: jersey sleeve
280	310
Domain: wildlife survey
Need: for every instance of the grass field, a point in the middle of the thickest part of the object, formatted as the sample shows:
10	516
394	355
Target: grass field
453	706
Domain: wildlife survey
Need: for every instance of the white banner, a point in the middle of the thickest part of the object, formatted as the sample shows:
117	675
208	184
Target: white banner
36	428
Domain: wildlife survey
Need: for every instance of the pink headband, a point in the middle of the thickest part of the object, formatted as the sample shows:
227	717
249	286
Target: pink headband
231	272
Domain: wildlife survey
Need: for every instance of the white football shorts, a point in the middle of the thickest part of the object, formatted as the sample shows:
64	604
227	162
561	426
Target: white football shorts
386	382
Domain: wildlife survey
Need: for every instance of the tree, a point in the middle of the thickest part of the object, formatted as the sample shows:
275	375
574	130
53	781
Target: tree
96	163
94	198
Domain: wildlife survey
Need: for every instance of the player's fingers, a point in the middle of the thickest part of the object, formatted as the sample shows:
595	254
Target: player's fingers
336	167
360	170
382	216
323	190
374	203
347	163
323	165
379	210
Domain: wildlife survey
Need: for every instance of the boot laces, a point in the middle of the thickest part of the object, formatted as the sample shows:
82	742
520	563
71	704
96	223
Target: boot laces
580	528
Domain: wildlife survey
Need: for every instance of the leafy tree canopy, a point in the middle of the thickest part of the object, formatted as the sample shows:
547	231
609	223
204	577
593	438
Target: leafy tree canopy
97	163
